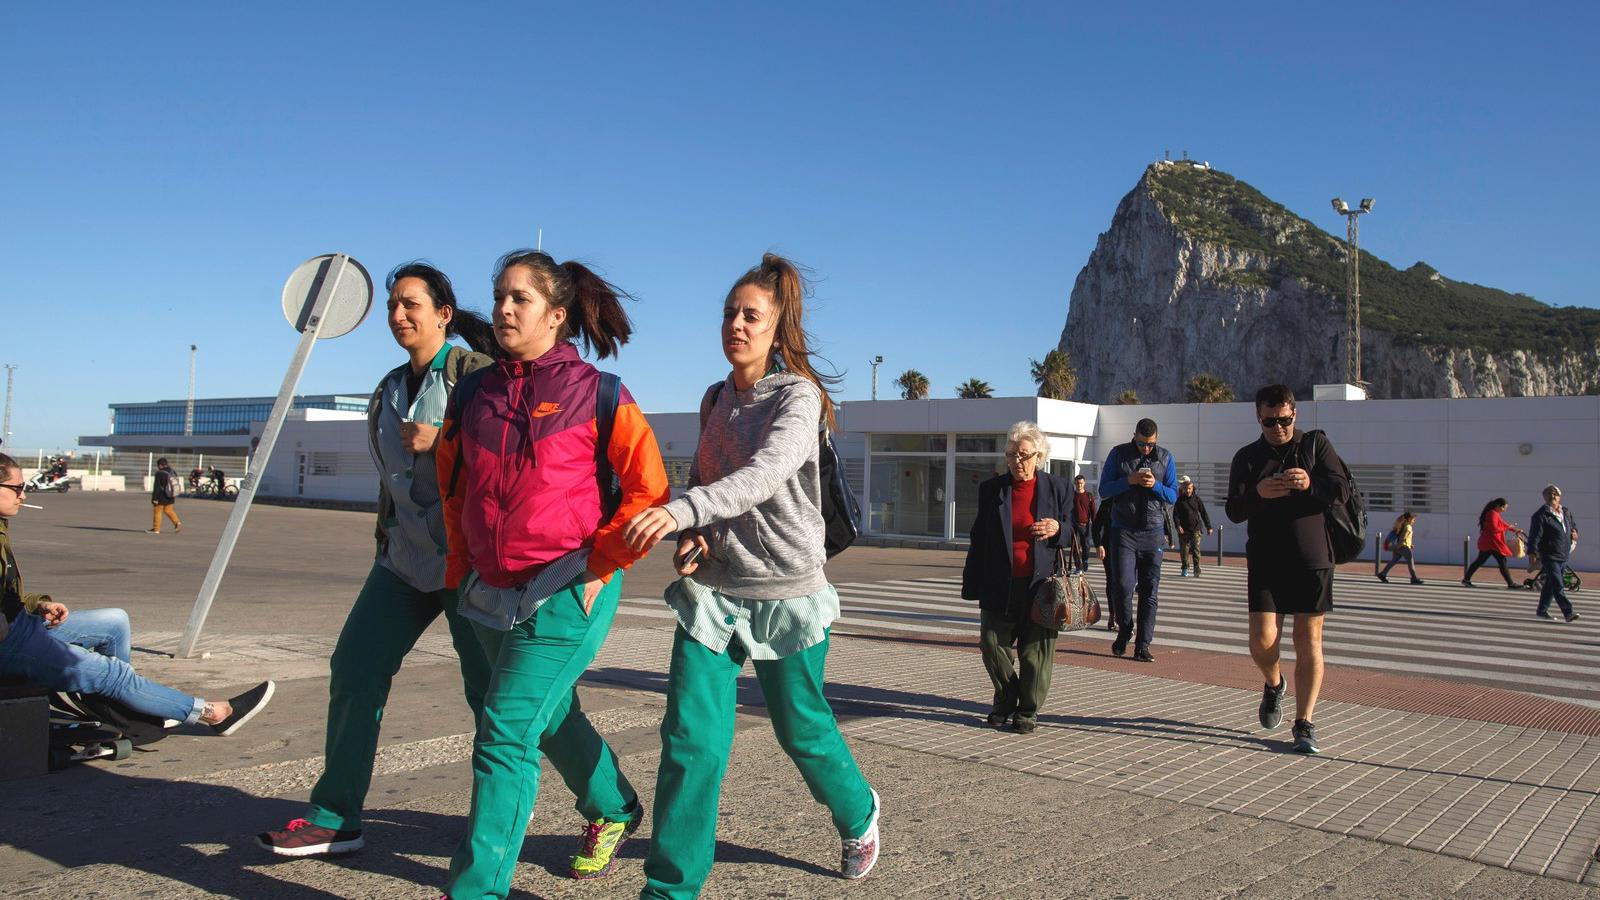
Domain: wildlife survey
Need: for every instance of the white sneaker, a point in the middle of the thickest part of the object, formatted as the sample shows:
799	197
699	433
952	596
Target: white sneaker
861	854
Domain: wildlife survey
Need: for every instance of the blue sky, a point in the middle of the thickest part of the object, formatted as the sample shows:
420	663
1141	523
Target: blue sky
945	168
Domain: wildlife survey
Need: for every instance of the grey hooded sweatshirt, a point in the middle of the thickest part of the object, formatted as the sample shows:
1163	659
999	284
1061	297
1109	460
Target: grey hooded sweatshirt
754	493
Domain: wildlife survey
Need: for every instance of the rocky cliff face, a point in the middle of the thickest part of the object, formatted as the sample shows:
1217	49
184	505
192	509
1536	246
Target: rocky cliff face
1181	286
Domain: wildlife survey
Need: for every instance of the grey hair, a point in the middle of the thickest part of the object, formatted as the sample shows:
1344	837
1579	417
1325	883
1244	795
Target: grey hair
1029	431
1550	490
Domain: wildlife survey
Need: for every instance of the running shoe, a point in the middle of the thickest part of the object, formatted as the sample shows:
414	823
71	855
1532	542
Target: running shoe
1271	710
861	854
245	706
1305	737
301	838
1572	616
1142	654
597	850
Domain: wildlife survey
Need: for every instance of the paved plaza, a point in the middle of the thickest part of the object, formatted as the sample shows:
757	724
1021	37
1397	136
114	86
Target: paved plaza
1462	742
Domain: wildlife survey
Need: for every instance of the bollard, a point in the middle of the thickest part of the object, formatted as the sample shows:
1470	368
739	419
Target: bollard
1466	554
1377	553
1219	546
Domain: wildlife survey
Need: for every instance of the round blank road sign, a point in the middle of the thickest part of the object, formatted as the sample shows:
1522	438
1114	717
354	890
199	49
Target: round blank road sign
352	295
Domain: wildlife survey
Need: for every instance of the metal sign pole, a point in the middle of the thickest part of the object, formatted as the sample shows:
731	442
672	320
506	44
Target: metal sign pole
269	436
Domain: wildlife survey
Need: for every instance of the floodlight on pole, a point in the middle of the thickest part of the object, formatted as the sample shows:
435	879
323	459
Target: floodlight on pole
875	362
1352	303
5	428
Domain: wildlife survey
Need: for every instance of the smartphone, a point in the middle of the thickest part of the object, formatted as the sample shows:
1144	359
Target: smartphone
690	558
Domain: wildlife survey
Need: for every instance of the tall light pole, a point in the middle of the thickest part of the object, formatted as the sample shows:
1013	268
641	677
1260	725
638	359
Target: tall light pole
875	362
188	408
1352	302
5	429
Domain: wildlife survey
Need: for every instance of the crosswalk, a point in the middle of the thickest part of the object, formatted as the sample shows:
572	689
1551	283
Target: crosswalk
1486	634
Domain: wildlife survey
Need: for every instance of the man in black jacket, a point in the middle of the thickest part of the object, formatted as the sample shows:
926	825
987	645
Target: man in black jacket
1283	484
1193	521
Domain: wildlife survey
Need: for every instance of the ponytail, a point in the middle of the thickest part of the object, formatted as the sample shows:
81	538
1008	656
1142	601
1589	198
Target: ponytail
791	342
594	306
476	331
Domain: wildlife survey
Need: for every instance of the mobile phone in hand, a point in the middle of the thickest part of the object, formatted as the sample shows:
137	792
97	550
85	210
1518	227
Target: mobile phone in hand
690	558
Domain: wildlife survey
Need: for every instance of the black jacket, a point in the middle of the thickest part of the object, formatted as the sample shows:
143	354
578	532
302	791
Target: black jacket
986	577
1549	535
1289	533
165	488
1190	513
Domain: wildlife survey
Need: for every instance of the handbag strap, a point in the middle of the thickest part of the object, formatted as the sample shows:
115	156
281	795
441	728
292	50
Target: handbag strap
1061	561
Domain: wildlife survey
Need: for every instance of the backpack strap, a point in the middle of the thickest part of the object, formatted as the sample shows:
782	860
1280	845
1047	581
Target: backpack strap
606	401
709	402
466	388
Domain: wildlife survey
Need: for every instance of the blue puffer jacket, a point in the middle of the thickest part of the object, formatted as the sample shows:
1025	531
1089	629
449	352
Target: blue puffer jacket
1138	508
1551	535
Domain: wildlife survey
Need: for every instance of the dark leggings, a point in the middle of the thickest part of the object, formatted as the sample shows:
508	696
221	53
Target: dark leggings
1483	557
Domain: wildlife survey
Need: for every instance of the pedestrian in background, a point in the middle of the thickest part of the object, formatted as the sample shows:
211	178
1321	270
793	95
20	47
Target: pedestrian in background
1552	535
1399	543
1192	519
1139	480
1100	531
1083	510
1009	555
164	491
1492	530
1283	484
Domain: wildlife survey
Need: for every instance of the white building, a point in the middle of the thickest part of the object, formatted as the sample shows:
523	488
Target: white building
916	464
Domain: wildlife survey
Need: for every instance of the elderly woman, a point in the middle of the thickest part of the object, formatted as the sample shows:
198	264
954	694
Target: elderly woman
1017	528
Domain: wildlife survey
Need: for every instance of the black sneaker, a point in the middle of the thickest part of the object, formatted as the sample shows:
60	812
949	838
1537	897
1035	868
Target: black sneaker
1418	581
1143	655
1545	616
1572	616
1023	726
998	719
301	838
1271	710
1466	583
1305	737
1119	646
245	706
1383	578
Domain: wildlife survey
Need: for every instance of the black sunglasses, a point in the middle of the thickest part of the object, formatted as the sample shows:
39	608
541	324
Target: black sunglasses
1277	421
1139	443
18	489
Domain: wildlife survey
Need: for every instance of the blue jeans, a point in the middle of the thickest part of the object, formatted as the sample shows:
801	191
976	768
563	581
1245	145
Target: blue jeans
104	631
39	654
1137	556
1554	589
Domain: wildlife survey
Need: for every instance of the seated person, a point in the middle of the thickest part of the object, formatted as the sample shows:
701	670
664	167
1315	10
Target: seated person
88	652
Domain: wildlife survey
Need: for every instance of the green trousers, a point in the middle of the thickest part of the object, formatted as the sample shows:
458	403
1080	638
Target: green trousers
532	706
388	617
697	737
1019	689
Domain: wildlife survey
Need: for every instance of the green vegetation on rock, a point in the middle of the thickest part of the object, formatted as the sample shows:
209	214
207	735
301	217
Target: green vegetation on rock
1415	305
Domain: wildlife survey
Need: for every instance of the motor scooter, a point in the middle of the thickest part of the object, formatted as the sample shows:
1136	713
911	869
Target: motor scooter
45	481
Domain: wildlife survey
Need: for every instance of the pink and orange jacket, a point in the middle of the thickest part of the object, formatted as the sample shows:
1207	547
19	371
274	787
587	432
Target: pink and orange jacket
526	494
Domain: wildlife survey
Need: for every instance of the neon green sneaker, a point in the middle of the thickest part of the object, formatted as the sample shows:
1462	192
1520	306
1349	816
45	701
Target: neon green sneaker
597	852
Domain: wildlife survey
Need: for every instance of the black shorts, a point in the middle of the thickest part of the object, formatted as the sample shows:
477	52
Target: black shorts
1298	591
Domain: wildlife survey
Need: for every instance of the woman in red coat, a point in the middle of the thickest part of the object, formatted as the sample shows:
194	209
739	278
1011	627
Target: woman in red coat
1492	541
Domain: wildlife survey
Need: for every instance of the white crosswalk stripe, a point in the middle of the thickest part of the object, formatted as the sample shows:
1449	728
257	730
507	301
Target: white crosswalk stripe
1486	634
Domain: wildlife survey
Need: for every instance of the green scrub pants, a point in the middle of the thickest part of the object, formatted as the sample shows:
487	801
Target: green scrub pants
532	706
388	617
697	737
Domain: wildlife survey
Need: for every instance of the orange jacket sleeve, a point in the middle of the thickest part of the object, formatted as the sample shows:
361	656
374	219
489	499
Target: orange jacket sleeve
445	452
637	461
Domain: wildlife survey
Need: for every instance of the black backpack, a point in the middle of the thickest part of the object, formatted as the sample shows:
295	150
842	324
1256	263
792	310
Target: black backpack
840	508
606	399
1347	522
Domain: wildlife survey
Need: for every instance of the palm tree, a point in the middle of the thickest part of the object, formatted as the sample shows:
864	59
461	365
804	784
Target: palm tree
1208	388
1127	398
913	385
1055	376
973	389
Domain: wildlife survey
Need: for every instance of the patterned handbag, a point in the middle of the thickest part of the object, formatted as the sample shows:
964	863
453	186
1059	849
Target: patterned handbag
1065	601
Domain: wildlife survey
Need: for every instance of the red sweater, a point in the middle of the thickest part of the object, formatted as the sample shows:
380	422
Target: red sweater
1492	536
1022	494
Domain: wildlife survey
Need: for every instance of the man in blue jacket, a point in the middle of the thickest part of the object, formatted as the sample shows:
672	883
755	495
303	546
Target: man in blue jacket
1136	480
1550	535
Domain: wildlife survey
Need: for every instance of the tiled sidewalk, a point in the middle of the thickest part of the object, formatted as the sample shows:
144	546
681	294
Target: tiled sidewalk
1498	794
